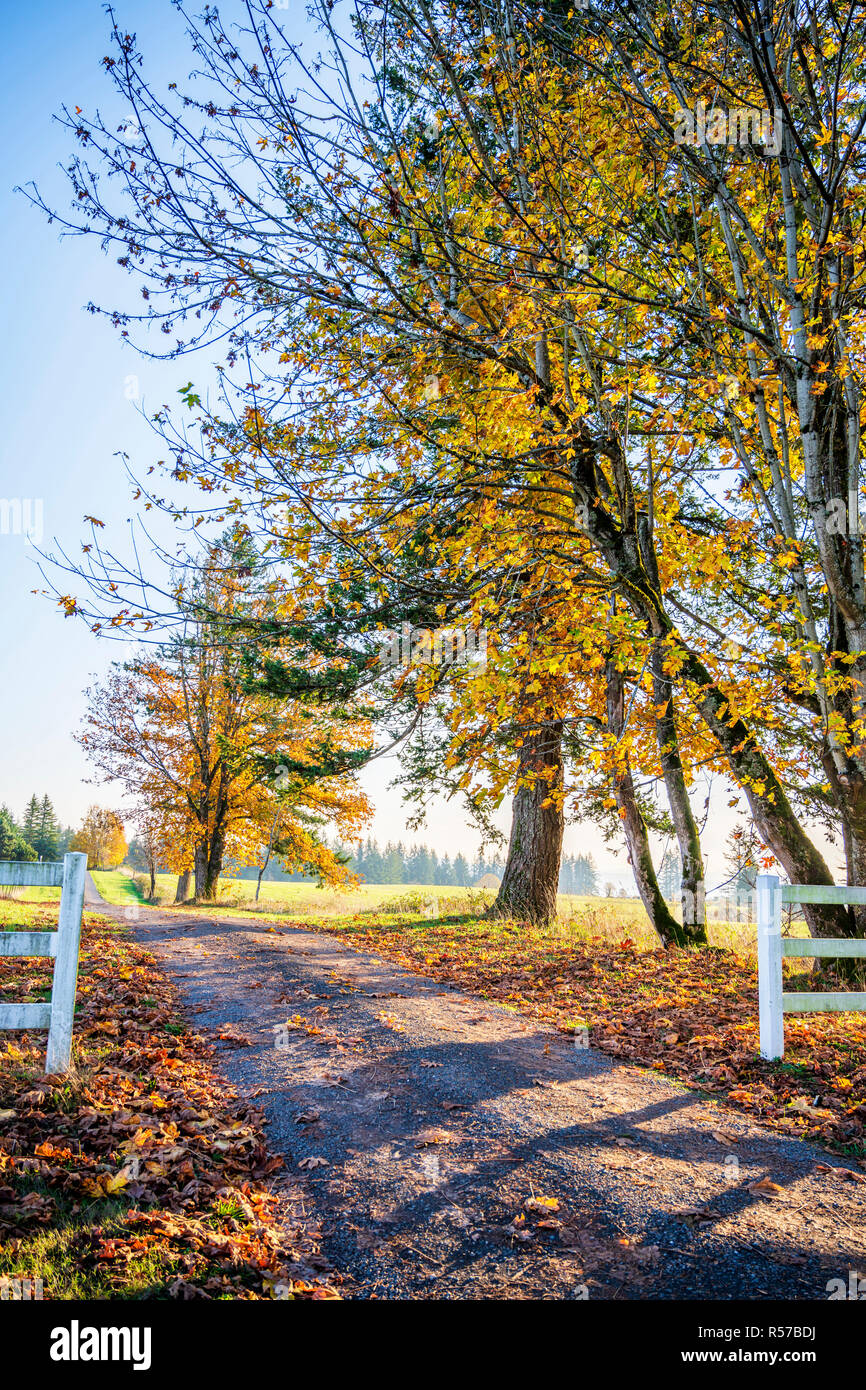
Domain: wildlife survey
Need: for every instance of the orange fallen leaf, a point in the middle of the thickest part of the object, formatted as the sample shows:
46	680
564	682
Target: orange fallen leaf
542	1204
766	1188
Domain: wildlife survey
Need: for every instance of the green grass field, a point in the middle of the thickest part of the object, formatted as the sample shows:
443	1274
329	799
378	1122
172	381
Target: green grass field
116	886
584	918
31	895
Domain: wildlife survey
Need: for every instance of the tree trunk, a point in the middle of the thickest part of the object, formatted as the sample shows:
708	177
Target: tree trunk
182	891
629	554
531	877
633	824
688	835
267	858
208	867
152	877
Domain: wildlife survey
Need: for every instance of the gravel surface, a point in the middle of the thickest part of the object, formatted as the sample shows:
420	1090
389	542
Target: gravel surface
425	1120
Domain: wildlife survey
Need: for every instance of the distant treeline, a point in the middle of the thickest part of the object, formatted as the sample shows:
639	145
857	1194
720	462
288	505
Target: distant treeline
37	835
399	863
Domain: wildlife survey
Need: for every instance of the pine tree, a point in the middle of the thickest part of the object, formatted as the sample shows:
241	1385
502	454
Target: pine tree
669	875
30	823
373	865
392	864
462	872
12	843
584	875
47	838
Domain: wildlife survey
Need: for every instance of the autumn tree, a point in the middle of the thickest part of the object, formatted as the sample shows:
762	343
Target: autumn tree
465	297
209	760
100	836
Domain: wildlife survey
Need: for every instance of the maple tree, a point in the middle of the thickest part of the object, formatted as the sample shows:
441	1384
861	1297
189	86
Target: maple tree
208	759
491	299
101	838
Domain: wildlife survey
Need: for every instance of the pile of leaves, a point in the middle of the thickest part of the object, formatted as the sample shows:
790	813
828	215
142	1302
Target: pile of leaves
690	1014
140	1173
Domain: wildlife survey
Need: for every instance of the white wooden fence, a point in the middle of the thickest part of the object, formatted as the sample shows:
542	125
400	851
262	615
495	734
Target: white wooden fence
773	1003
68	876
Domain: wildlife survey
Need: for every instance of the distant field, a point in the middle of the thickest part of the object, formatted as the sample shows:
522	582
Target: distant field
581	917
30	895
302	899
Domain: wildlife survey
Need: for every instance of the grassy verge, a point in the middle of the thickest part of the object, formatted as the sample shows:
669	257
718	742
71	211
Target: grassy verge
117	887
581	918
140	1174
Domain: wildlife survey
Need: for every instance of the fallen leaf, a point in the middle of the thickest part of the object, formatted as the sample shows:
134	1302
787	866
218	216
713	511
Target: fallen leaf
724	1136
432	1136
542	1204
766	1188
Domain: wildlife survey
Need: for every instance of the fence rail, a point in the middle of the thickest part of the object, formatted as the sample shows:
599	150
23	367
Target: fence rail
63	946
773	1002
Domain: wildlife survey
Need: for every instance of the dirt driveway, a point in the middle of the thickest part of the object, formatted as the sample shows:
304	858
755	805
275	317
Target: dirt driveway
454	1150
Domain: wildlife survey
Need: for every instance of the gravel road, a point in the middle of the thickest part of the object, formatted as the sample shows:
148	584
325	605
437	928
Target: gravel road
454	1150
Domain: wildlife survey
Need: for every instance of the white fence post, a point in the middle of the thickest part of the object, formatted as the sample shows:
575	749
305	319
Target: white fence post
66	963
770	1007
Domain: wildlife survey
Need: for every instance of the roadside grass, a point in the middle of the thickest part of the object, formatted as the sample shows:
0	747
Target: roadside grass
139	1174
33	894
117	887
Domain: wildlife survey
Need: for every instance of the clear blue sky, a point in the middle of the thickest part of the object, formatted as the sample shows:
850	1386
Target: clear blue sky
67	410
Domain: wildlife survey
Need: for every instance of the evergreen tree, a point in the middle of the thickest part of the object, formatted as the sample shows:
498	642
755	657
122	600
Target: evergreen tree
419	864
590	875
446	872
30	823
373	865
47	839
462	872
12	843
422	870
669	875
392	865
